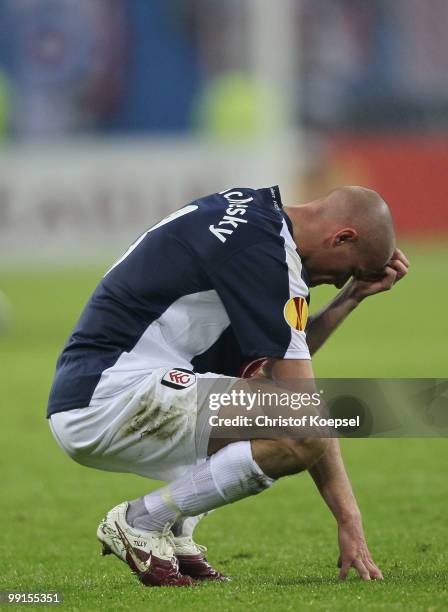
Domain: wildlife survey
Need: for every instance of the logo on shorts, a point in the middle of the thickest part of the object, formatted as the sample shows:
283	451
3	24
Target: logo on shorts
179	378
296	313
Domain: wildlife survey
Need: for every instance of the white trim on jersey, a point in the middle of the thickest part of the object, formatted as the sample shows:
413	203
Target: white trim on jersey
172	340
171	217
298	347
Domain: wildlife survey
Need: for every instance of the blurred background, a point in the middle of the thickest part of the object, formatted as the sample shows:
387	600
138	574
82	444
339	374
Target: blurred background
114	113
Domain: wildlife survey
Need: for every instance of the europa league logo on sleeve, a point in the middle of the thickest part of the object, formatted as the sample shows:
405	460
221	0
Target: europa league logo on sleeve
296	313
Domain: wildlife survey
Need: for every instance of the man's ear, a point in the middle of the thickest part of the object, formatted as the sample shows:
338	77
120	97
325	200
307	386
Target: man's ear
347	234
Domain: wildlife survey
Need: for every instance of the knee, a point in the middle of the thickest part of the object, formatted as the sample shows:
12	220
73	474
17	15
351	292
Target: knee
296	455
76	448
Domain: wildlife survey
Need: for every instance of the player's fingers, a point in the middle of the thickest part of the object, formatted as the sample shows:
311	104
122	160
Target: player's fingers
398	259
398	254
374	570
361	569
389	278
399	267
345	567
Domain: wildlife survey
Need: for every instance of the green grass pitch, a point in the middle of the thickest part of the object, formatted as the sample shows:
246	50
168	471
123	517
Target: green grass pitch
280	547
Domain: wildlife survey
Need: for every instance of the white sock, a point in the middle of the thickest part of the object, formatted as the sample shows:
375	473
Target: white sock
185	526
227	476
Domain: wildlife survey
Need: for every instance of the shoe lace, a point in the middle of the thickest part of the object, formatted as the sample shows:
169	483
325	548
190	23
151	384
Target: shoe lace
199	547
167	543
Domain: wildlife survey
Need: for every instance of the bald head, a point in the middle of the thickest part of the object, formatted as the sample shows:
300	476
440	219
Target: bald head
364	211
347	232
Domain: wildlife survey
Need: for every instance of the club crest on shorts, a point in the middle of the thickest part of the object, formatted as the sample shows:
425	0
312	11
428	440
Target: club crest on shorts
178	378
296	313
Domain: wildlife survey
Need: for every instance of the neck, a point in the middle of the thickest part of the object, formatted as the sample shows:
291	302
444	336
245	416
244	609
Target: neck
302	223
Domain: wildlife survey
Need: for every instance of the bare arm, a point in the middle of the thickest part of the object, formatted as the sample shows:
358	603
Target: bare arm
331	479
329	473
322	324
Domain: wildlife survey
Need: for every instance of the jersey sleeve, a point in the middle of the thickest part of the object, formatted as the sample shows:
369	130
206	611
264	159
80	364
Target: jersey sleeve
266	302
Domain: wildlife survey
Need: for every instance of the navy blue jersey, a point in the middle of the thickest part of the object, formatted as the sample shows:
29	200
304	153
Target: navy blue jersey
213	286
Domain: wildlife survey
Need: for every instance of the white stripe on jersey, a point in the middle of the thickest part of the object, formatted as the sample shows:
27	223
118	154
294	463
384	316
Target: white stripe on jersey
298	347
172	340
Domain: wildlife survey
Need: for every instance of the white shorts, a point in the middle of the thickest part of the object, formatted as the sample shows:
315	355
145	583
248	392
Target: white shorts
149	429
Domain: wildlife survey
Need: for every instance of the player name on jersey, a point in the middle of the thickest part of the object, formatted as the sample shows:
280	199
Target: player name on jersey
203	290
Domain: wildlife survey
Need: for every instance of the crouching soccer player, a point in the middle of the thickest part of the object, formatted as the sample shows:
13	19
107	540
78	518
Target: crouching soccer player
201	295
